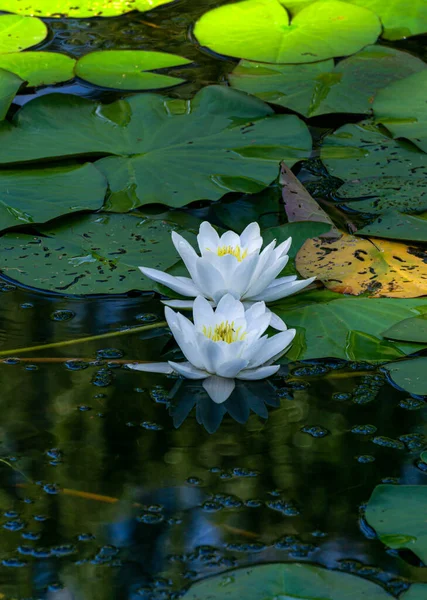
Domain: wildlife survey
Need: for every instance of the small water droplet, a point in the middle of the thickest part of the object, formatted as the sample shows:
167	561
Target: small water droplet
62	315
146	318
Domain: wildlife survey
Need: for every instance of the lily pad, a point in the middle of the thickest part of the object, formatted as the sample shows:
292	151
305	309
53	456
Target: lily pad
9	85
321	88
397	226
410	375
378	195
158	149
401	107
351	265
397	513
359	151
417	591
330	325
260	30
291	581
127	69
81	9
400	19
39	68
18	33
39	195
409	330
89	254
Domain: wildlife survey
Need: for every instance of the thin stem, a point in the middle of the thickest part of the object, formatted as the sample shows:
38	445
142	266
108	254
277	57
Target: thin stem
103	336
60	359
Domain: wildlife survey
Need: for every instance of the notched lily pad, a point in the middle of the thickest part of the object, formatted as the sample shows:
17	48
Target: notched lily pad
18	33
260	30
39	195
410	375
89	254
80	9
129	69
321	88
159	150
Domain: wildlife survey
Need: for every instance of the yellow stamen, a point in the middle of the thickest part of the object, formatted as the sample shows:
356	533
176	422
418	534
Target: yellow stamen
224	332
234	250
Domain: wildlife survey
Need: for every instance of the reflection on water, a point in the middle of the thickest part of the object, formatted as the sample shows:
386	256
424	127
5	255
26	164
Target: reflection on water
113	487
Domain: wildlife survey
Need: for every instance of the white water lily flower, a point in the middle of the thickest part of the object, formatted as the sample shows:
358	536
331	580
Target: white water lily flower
223	344
231	264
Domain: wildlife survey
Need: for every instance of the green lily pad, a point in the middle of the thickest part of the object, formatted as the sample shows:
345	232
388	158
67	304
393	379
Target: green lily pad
9	85
410	375
127	69
81	9
18	33
382	194
417	591
409	330
260	30
290	581
401	108
331	325
397	513
89	254
400	19
360	151
397	226
320	88
39	68
39	195
158	149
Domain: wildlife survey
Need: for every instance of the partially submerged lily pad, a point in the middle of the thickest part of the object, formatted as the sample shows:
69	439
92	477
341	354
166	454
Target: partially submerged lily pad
9	85
18	33
397	513
260	30
89	254
401	107
337	326
129	69
39	68
409	330
159	149
410	375
397	226
320	88
291	581
39	195
80	9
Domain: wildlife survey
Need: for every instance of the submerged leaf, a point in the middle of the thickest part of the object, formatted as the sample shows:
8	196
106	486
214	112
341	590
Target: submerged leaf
158	149
287	581
127	69
260	30
355	266
322	88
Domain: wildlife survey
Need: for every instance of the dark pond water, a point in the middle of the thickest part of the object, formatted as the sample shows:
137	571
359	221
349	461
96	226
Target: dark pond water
112	485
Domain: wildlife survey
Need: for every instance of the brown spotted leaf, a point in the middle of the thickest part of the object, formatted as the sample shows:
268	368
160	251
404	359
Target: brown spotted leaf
378	268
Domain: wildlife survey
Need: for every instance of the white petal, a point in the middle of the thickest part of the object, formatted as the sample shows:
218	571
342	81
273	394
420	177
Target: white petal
230	309
152	367
229	238
265	260
179	303
274	346
260	373
265	278
182	285
203	314
281	291
250	238
188	370
219	388
227	265
184	333
186	252
211	353
208	239
232	367
252	314
243	274
212	283
277	323
283	248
